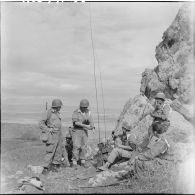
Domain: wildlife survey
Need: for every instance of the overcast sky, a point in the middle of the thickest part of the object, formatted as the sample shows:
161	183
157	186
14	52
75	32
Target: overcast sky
47	53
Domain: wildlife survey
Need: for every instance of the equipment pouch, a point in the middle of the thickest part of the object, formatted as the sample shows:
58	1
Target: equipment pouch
44	136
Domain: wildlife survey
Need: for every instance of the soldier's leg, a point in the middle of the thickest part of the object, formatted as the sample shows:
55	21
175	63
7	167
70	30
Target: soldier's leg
118	152
58	152
111	158
84	141
50	148
76	138
65	155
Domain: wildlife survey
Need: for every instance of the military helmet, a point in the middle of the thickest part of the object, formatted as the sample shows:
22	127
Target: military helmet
84	103
56	103
126	126
160	95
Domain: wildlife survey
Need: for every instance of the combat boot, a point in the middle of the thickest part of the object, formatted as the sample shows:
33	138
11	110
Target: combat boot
55	167
65	163
45	171
74	164
84	164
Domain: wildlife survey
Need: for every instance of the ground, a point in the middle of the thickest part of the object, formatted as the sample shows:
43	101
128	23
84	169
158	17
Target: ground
17	152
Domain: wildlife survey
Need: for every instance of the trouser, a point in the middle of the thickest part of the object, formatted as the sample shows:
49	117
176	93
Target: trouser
158	147
65	153
79	138
53	149
118	153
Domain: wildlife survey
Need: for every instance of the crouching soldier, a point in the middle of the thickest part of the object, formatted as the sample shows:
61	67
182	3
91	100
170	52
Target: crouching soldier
123	149
82	122
155	139
50	126
67	149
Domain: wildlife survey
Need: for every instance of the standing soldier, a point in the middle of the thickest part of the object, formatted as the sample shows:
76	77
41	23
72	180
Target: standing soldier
50	125
82	122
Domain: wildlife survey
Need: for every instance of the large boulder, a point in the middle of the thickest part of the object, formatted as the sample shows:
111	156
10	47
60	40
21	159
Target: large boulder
134	111
174	76
137	115
174	73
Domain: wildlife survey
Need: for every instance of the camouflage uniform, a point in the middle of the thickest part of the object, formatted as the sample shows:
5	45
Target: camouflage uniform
52	119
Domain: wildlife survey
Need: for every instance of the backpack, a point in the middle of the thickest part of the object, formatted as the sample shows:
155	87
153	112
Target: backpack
44	137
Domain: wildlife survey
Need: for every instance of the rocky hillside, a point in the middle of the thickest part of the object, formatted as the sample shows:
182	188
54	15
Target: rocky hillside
173	75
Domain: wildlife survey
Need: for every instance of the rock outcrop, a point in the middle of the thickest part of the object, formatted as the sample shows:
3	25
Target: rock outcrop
174	76
174	73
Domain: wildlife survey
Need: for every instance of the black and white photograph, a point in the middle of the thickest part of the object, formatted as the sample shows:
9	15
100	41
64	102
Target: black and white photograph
97	97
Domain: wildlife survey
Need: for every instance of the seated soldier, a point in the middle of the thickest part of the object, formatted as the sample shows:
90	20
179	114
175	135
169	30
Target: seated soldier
122	148
156	133
160	118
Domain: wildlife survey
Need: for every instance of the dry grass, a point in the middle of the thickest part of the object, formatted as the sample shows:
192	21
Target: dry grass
17	153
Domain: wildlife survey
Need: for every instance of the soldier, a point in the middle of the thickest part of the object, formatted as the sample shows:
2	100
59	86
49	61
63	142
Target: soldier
123	149
67	148
155	133
50	125
160	118
82	122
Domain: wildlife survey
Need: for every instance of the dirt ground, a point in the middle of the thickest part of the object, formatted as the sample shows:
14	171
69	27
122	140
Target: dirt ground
17	153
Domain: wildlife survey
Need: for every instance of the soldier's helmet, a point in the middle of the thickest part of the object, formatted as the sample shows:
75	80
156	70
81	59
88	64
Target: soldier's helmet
126	126
160	95
56	103
84	103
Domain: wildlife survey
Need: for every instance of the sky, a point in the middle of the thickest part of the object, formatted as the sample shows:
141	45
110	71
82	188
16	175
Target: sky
46	52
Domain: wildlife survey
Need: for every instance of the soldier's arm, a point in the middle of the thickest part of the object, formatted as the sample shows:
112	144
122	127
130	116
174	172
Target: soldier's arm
91	123
125	147
157	114
118	143
42	122
166	110
76	121
154	114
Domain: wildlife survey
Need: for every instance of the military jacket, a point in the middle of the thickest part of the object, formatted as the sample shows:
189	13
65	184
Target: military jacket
84	118
51	119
